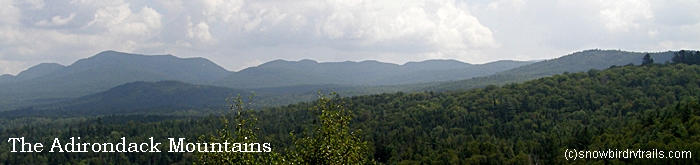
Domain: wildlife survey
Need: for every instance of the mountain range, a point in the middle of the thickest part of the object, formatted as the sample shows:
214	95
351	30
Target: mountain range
50	82
108	76
281	73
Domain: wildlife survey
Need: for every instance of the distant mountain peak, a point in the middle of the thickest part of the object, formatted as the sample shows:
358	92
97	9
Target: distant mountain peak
307	61
285	63
110	54
108	69
107	52
511	61
290	61
33	72
371	61
41	69
437	61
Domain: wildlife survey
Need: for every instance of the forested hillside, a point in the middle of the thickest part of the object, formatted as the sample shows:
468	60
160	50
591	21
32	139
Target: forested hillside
585	60
33	72
51	83
280	73
575	62
289	81
628	107
101	72
136	97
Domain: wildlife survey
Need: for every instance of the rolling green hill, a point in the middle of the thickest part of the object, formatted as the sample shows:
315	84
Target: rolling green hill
33	72
575	62
51	83
646	108
137	97
102	72
584	61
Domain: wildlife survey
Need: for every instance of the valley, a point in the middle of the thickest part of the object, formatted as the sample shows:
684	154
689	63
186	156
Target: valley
528	114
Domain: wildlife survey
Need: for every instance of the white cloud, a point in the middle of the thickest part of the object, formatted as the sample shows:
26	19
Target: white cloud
56	21
200	32
233	32
514	5
621	16
9	13
36	44
678	45
172	5
112	28
119	20
10	67
252	63
96	3
438	24
230	12
110	16
35	4
438	27
653	33
676	13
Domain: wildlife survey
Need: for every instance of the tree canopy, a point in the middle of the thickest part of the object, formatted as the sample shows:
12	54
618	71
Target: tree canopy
653	107
686	57
646	60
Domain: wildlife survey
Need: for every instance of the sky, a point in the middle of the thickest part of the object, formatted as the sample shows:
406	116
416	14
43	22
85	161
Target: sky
242	33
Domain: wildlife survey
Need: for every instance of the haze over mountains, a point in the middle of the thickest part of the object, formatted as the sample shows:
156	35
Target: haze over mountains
138	97
585	60
280	73
47	83
33	72
50	83
108	69
575	62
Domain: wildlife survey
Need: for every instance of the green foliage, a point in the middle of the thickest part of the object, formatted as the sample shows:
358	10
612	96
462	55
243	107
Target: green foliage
584	61
97	130
330	141
572	63
647	60
627	107
686	57
244	132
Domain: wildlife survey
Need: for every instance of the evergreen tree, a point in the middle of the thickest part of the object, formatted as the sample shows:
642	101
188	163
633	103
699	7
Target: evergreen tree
679	57
647	60
686	57
329	142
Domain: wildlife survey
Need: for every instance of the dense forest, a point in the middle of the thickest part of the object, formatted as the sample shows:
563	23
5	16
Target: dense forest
575	62
647	107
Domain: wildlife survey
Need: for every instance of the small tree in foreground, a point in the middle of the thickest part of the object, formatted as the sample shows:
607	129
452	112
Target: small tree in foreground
245	120
330	141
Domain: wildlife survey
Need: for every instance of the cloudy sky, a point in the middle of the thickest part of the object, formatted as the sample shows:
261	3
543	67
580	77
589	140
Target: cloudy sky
241	33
